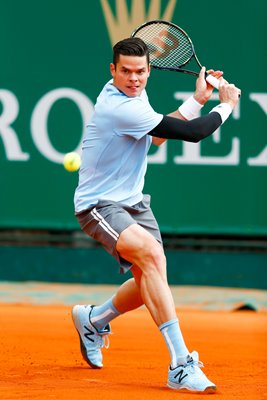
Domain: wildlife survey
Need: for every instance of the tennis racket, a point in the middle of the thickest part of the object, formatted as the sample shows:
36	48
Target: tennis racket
170	48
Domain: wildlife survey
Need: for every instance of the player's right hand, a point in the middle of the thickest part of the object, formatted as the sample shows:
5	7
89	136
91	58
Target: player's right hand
229	93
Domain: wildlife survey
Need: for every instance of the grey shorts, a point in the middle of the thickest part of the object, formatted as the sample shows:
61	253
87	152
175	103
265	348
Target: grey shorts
107	220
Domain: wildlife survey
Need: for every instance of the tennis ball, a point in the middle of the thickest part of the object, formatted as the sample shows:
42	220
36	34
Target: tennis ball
72	161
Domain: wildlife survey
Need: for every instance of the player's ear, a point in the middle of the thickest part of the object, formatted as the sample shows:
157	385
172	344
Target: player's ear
148	69
112	69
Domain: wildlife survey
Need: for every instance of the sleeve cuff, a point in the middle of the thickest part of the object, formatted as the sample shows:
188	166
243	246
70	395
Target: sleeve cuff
224	109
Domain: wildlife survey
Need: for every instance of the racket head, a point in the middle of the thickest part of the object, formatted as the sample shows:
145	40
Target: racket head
169	46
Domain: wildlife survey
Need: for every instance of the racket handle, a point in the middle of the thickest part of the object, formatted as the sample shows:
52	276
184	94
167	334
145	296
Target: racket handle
213	81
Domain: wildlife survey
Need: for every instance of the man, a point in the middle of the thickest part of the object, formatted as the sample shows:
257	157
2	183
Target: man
112	209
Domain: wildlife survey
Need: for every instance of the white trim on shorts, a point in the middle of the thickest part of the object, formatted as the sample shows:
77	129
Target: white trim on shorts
104	224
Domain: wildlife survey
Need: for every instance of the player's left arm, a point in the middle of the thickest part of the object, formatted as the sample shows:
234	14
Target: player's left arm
158	141
202	93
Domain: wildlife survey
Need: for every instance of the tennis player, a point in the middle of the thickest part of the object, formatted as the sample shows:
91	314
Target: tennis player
112	209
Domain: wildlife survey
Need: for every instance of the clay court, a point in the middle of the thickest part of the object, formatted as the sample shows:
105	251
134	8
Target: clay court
40	356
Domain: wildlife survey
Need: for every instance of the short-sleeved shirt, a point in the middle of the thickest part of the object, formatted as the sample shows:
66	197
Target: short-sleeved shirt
115	147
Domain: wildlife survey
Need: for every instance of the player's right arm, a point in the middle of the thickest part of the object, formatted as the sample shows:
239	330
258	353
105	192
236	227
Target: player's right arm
193	129
201	96
197	128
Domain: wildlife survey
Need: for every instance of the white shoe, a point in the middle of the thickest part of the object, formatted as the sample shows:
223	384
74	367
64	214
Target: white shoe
189	376
91	339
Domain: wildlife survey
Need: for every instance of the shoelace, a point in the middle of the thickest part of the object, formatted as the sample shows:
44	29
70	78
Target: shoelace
102	341
105	342
194	363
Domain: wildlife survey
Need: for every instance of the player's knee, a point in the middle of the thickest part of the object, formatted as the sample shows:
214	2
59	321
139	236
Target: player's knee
155	260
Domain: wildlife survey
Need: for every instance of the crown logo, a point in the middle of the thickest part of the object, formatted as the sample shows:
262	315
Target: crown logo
124	22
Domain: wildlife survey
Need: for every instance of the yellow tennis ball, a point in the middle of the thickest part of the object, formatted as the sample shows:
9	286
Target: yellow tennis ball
72	161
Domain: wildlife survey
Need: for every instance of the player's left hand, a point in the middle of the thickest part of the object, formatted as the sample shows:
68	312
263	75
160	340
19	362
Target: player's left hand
203	88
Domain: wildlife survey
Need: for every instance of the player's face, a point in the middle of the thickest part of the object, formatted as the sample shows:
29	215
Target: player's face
130	74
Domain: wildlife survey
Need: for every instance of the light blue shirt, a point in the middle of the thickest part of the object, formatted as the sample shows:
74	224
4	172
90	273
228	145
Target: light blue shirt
115	147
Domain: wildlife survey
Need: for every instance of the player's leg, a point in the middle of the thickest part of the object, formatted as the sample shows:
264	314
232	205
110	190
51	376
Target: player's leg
138	246
92	322
108	223
104	223
127	298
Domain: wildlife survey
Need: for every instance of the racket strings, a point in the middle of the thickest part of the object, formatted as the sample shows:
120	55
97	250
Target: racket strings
167	45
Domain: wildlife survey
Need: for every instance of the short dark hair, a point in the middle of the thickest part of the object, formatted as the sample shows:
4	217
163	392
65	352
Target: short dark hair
132	46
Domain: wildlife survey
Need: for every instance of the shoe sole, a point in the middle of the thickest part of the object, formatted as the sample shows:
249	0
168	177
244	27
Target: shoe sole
208	390
82	346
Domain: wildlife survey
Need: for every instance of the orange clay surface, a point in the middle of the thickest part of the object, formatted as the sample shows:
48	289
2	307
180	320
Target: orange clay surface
40	356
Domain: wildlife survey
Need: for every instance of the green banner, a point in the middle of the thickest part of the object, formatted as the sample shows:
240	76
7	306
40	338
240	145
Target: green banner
55	60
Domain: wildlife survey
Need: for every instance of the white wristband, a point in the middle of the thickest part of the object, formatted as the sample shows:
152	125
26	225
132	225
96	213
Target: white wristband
224	109
190	108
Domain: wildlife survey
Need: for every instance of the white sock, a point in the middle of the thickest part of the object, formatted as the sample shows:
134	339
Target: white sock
174	339
102	315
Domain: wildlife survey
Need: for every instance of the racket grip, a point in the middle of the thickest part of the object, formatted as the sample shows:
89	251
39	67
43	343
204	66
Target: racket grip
213	81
